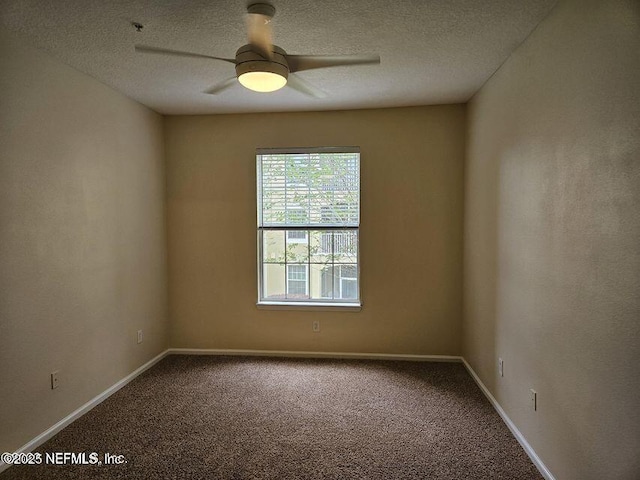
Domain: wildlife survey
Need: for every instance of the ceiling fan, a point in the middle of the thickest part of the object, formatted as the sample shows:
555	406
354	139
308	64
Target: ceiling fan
262	66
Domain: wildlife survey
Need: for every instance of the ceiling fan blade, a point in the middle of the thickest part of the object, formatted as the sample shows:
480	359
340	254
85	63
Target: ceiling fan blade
219	87
302	86
178	53
298	63
260	34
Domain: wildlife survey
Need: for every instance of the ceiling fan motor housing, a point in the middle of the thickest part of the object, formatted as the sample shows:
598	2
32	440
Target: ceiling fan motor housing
248	60
265	9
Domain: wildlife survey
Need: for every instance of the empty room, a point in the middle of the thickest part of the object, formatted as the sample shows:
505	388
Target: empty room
290	239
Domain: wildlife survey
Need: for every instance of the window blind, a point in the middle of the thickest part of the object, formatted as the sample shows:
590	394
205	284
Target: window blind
309	189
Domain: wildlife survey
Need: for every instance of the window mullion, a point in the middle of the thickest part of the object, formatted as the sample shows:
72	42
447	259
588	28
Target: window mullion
311	227
309	262
309	188
333	265
286	268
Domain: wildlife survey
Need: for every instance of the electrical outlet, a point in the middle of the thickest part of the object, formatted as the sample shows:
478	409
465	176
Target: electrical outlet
54	379
315	326
139	336
533	397
501	367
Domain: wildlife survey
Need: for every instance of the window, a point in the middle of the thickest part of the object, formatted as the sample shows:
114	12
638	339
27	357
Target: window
340	282
299	236
308	226
297	281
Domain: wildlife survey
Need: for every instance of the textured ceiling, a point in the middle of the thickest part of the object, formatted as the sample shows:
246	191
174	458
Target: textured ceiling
432	51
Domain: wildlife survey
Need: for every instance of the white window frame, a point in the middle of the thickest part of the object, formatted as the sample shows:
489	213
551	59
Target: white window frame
316	303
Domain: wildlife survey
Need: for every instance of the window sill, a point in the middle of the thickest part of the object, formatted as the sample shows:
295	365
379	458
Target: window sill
310	306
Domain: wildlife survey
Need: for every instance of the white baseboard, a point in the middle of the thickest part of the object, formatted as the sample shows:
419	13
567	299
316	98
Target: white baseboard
295	354
50	432
516	433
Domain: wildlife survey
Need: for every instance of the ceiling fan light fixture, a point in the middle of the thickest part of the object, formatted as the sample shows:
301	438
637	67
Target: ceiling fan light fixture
262	81
261	74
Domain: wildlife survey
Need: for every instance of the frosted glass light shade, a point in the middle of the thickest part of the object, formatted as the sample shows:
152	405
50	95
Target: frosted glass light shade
262	81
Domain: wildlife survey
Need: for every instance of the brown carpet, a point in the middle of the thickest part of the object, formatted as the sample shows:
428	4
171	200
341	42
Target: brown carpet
207	417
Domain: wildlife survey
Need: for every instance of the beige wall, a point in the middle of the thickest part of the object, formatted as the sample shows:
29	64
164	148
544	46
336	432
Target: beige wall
552	238
82	239
411	233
